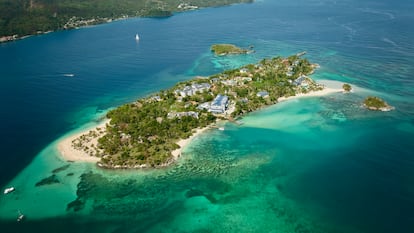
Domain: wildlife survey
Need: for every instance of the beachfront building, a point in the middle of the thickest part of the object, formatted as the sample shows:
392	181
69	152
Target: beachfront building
263	94
219	104
244	70
214	80
193	89
186	6
156	98
172	115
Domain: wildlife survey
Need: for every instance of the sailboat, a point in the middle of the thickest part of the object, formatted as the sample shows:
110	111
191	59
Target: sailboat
21	216
137	37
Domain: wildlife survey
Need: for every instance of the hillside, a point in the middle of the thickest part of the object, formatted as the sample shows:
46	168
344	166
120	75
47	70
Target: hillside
20	18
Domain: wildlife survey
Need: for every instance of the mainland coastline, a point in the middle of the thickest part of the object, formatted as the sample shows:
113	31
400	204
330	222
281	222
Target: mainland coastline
190	106
46	17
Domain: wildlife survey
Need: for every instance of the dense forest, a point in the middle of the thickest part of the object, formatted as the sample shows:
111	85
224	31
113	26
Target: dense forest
28	17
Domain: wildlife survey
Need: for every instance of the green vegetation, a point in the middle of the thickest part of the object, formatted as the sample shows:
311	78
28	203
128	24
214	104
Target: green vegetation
225	49
347	87
144	133
376	103
29	17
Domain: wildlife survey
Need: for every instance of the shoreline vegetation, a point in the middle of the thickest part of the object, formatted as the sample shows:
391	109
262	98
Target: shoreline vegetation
151	132
72	152
21	19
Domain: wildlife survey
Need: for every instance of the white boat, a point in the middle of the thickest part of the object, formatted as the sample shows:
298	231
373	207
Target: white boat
9	190
136	37
68	75
20	217
221	128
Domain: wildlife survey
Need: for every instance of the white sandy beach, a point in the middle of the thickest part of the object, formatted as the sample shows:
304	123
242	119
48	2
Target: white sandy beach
69	153
184	142
330	88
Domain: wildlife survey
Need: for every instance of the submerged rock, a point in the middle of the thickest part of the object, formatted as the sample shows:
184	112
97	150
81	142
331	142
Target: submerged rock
48	181
75	205
59	169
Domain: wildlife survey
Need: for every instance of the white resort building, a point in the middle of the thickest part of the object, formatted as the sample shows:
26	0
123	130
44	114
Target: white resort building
193	89
172	115
219	104
299	81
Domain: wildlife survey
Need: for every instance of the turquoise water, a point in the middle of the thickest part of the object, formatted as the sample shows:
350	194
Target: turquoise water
320	164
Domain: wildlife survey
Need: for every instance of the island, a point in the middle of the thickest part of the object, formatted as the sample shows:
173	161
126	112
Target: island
227	49
377	104
347	88
19	19
152	131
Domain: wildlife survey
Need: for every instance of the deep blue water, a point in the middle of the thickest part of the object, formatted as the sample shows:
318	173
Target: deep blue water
366	183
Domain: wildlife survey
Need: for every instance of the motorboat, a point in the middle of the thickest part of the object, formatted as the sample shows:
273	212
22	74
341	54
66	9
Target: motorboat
9	190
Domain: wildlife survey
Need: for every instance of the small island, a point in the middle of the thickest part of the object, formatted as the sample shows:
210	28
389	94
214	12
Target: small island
347	88
377	104
152	131
228	49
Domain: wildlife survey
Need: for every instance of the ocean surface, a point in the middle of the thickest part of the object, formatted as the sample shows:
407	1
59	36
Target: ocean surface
320	165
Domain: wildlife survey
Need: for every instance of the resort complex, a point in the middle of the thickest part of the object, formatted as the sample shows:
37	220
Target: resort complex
146	132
